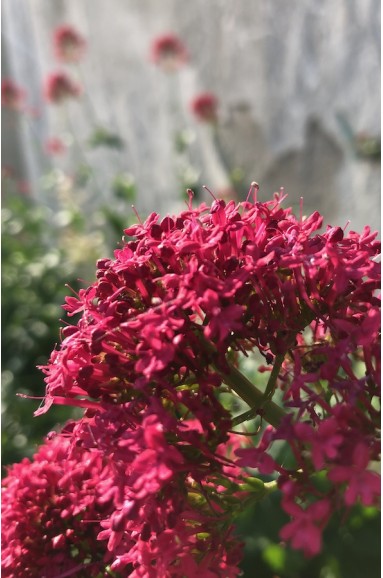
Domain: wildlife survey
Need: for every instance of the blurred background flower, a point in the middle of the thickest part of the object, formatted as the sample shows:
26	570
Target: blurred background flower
69	45
12	96
168	51
205	106
296	83
59	87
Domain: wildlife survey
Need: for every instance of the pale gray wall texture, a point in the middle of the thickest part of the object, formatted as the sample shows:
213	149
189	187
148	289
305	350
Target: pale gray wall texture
290	74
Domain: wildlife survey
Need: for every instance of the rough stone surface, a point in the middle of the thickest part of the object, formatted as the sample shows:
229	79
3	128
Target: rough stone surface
297	81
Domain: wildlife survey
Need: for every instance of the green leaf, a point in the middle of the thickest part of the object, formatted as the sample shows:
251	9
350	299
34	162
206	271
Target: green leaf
124	187
103	137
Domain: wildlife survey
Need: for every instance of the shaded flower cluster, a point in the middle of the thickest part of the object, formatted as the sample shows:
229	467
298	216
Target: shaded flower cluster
159	336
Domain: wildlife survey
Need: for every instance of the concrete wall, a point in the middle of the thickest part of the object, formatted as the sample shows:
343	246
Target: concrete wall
298	81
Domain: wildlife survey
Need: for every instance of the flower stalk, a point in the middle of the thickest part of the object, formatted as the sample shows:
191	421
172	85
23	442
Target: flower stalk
260	402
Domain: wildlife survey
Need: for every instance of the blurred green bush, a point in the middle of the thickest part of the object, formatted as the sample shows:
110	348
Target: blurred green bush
34	273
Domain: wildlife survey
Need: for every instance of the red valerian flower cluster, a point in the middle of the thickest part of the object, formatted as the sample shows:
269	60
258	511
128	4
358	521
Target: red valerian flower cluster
169	52
59	87
160	335
205	107
69	45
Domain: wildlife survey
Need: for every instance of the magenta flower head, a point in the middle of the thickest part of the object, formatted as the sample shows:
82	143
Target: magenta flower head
69	45
160	336
12	96
113	494
168	52
51	512
205	107
59	87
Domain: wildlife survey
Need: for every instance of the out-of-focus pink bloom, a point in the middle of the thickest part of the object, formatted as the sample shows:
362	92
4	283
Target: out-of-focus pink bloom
169	52
54	146
361	483
205	107
256	457
304	531
69	45
60	87
7	172
12	96
24	187
324	441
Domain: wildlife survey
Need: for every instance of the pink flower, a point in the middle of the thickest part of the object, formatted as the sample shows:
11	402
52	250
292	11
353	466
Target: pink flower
361	483
257	457
69	45
54	146
60	87
325	441
305	530
51	513
24	187
12	96
205	107
169	52
110	490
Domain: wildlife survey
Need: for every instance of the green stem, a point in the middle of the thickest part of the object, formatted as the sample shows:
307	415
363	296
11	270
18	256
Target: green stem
271	384
271	486
256	399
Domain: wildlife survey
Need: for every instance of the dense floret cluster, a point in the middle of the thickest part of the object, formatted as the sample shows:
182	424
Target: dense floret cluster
160	336
110	496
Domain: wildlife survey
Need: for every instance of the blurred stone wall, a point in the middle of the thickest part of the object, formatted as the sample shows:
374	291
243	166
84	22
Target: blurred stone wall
297	80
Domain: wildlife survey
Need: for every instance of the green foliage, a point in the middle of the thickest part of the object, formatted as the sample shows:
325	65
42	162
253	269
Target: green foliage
124	188
103	137
34	273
